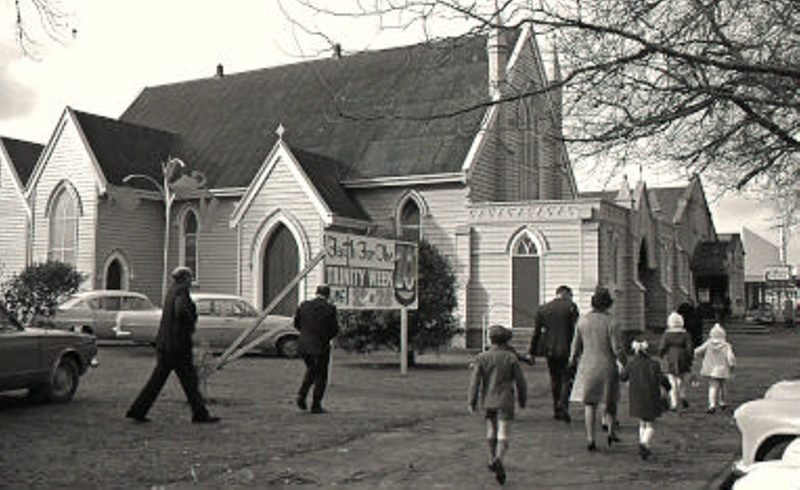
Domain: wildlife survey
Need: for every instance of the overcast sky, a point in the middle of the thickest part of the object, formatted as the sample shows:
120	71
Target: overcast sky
121	47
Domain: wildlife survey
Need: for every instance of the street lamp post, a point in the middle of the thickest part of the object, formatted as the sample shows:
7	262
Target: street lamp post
168	169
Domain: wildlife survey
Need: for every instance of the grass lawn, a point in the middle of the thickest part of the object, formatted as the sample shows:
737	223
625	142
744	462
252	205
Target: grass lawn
383	429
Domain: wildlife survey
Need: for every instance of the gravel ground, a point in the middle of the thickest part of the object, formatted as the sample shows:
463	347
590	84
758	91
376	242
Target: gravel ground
383	429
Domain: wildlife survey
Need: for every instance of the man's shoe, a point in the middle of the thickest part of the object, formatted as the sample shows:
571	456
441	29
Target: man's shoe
562	415
644	451
209	419
138	418
318	409
301	403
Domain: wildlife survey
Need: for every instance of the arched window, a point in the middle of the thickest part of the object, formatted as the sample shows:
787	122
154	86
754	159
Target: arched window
63	243
190	240
525	247
410	221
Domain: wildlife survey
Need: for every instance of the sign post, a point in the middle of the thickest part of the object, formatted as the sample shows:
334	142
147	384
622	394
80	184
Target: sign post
375	274
403	340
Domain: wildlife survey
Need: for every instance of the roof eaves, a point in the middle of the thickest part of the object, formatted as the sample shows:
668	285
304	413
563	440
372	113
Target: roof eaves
428	179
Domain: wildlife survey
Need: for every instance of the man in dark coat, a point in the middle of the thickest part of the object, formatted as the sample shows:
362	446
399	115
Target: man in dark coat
552	338
174	352
318	325
692	322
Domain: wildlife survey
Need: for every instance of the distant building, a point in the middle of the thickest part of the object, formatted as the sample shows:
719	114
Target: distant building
492	188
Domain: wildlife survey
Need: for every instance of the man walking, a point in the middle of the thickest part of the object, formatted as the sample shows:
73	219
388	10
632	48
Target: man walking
318	325
174	352
552	338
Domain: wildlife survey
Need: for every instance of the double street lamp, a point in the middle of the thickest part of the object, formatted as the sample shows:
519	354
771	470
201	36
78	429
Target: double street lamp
167	193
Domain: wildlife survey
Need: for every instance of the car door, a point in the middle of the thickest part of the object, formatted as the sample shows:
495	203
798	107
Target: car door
244	316
20	360
211	327
105	316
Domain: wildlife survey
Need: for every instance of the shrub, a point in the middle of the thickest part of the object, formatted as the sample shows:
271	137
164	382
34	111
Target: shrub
38	289
431	327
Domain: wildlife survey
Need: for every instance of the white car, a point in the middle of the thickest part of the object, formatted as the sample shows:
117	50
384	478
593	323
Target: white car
95	312
768	426
221	319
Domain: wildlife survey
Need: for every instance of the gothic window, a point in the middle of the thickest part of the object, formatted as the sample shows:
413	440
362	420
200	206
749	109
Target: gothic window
190	235
525	247
410	228
63	242
614	258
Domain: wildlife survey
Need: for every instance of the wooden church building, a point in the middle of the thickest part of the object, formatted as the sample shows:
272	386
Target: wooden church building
409	142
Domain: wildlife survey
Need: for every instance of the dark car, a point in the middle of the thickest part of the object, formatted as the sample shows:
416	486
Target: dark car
47	362
96	311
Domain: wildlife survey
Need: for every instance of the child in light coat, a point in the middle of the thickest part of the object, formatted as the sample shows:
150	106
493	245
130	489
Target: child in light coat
496	374
718	362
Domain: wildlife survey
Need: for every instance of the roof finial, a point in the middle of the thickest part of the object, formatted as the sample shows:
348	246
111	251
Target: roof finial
280	131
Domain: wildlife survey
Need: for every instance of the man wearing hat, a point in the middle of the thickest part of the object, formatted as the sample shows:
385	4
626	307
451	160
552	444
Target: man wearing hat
318	325
174	352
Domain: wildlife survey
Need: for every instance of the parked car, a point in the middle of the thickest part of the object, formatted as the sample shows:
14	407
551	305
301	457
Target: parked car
768	426
48	363
96	311
221	319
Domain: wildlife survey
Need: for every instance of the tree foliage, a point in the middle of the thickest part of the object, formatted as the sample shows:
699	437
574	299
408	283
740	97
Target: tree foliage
38	289
431	327
710	85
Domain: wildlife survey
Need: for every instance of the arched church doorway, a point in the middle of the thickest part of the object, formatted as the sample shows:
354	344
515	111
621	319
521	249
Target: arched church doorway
525	295
115	273
281	265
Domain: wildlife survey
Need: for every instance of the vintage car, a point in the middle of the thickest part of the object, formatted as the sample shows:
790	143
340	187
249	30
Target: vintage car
768	426
221	319
47	362
96	311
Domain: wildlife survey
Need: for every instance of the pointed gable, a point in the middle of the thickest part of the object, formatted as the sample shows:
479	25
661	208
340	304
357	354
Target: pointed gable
665	201
369	112
23	156
122	148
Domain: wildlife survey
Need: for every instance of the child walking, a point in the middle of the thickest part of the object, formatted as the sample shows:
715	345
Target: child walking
718	362
496	374
646	400
676	352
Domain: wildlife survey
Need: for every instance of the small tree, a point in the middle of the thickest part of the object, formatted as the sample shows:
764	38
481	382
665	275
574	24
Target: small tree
37	289
430	327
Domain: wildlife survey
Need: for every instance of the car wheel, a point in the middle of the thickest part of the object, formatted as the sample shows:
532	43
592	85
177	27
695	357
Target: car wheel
289	347
64	381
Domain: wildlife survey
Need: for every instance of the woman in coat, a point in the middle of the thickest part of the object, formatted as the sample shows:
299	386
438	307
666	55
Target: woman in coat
676	352
596	350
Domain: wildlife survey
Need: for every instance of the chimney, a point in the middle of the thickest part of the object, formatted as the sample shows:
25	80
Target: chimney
337	51
220	71
497	50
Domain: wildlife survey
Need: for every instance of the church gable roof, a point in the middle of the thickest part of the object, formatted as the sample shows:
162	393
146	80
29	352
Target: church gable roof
666	201
122	148
323	174
368	111
23	155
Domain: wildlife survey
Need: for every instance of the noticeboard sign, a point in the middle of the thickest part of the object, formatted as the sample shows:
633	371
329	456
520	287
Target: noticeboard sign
370	273
778	273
